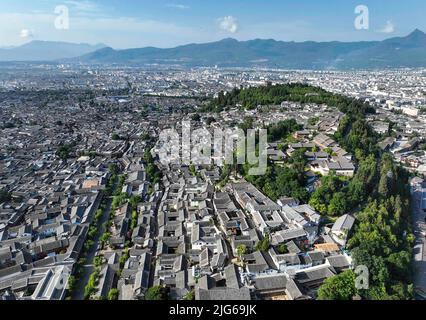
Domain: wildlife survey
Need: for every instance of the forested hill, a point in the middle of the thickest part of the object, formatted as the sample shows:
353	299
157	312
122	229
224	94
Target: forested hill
250	98
378	193
408	51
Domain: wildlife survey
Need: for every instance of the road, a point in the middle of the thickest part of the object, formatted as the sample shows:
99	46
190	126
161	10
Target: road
154	236
420	244
88	267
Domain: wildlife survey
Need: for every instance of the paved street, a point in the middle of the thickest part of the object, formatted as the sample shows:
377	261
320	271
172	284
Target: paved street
88	267
420	246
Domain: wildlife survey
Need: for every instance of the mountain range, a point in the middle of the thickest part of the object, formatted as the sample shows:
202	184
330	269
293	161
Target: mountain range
47	51
398	52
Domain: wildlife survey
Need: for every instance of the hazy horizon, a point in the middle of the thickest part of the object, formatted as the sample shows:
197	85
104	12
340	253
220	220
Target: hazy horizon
223	39
166	24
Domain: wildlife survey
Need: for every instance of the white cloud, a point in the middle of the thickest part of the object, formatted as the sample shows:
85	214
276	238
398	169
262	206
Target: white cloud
229	24
82	6
26	33
388	28
177	6
109	30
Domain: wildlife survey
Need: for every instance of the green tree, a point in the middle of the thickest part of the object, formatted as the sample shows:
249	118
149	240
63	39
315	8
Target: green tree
384	186
71	284
248	123
115	137
135	217
299	161
193	170
282	249
313	121
5	196
156	293
113	169
339	287
338	204
264	244
64	150
113	294
400	265
105	237
124	257
330	197
145	137
282	130
190	296
241	250
134	201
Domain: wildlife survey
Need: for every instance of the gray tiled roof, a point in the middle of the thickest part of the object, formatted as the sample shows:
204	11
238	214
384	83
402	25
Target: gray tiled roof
344	222
222	294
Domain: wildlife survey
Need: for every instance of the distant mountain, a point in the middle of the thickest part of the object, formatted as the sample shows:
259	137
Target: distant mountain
47	51
407	51
233	53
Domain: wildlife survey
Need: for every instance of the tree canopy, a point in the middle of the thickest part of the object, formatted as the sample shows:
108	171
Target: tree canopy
156	293
340	287
270	94
5	195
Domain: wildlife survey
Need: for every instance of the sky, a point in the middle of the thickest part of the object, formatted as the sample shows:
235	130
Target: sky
168	23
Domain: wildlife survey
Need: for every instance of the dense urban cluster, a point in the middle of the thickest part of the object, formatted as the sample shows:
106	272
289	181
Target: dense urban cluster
88	210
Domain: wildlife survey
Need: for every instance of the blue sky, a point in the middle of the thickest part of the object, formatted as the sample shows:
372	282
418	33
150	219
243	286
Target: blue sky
167	23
